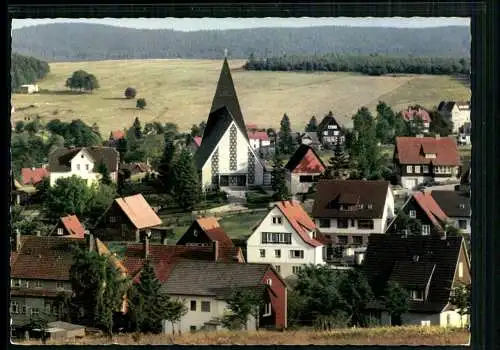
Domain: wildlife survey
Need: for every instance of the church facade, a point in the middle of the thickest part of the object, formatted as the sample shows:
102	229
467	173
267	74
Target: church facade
225	157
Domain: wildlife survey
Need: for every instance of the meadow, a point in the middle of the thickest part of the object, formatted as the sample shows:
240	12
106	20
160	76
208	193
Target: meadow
181	91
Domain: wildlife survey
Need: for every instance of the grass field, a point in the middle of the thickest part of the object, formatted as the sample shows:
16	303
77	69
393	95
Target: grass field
373	336
181	91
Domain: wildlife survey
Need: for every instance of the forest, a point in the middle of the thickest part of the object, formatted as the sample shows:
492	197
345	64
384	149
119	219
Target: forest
26	70
373	64
84	42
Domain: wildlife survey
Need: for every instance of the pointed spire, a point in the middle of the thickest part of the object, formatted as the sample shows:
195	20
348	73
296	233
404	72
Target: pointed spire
225	53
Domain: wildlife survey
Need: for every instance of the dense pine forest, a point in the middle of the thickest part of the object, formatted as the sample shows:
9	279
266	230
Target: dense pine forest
26	70
366	64
83	42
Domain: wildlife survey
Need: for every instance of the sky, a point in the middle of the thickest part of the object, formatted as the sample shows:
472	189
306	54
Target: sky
194	24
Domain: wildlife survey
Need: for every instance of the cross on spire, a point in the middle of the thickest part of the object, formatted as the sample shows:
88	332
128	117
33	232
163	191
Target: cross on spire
225	53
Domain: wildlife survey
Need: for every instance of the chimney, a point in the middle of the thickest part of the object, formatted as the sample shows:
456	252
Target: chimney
17	241
215	247
38	233
89	241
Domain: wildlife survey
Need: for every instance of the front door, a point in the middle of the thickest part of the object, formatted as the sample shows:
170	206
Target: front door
241	180
223	180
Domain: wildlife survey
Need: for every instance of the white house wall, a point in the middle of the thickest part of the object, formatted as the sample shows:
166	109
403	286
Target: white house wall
459	117
443	319
312	255
294	184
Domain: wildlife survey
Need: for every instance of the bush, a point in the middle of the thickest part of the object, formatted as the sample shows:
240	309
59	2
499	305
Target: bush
141	103
130	92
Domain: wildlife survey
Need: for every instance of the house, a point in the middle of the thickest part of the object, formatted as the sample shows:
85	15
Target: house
310	138
418	160
127	219
252	127
303	170
411	114
285	238
83	162
18	195
347	212
464	133
428	267
465	179
138	168
419	215
456	206
29	88
225	156
204	232
40	273
259	140
205	286
458	112
32	176
69	226
331	131
194	143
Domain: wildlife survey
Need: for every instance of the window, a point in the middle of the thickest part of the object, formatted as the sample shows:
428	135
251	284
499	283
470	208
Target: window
23	310
26	284
112	219
277	220
14	307
277	253
342	240
460	270
60	231
342	223
269	282
425	169
277	268
305	179
361	206
205	306
297	254
370	206
48	307
267	309
353	222
78	167
409	169
426	323
325	133
417	295
262	253
38	284
413	214
336	133
35	311
296	269
426	230
59	285
192	328
417	169
276	237
86	167
193	305
365	224
358	240
16	282
462	224
324	223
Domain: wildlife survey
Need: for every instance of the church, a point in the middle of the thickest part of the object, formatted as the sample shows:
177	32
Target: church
225	157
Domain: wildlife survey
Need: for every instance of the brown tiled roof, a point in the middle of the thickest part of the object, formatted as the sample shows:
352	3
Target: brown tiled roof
60	158
305	160
73	226
32	176
330	194
385	251
453	203
412	274
138	211
299	220
431	208
410	150
211	227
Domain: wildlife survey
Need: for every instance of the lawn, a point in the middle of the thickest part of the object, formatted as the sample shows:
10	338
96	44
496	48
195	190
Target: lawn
181	91
239	225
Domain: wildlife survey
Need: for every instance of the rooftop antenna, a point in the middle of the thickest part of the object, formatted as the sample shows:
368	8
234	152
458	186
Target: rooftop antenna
225	53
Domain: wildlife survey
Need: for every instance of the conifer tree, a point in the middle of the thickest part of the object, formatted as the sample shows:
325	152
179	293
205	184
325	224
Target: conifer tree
136	126
186	185
286	142
338	165
167	163
280	189
105	175
312	125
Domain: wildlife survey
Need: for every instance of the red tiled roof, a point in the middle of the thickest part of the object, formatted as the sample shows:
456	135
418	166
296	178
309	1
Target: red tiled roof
138	211
213	230
164	257
73	226
197	140
117	135
431	208
305	160
410	150
252	126
410	114
300	220
32	176
258	135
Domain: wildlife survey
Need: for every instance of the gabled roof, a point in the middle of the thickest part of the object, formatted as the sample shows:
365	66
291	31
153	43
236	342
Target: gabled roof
117	135
164	257
431	208
73	226
212	229
60	158
139	212
329	119
203	278
453	203
141	166
330	194
299	220
410	150
447	106
258	135
305	160
225	96
391	254
32	176
411	114
197	140
220	119
312	135
416	274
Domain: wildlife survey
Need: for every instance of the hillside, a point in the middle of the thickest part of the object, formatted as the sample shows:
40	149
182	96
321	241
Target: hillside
181	91
79	41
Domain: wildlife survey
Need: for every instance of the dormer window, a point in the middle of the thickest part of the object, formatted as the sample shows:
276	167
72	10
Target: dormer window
430	155
413	214
461	206
417	295
60	231
277	220
361	206
370	206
